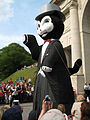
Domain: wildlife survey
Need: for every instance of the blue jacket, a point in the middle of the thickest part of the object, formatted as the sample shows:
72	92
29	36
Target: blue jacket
13	113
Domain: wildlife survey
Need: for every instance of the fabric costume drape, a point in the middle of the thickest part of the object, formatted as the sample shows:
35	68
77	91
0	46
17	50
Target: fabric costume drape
57	83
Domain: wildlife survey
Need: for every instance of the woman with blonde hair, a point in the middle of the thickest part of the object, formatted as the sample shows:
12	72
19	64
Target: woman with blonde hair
75	111
3	109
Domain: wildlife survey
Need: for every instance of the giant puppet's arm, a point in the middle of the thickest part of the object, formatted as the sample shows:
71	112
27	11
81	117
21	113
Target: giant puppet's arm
76	66
31	42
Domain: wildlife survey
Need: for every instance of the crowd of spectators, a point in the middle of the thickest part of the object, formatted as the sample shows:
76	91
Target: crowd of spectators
21	90
47	112
80	111
28	67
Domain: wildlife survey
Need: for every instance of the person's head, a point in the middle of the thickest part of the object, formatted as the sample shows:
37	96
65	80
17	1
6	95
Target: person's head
61	107
16	102
5	107
85	111
32	115
80	98
1	112
53	114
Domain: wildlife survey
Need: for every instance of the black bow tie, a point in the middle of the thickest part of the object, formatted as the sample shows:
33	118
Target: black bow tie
47	41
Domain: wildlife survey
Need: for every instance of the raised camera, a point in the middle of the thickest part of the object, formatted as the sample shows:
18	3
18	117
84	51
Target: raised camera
47	99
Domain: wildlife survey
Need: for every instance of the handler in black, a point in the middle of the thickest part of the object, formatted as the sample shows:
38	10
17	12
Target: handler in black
53	75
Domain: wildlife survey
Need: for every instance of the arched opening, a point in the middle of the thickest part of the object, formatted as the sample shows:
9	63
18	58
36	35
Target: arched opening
86	40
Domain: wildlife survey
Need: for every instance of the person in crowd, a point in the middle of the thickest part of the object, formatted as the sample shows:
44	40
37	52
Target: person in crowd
47	113
29	80
32	115
85	111
75	111
3	109
32	89
1	96
87	91
18	90
61	107
13	96
23	92
13	113
47	104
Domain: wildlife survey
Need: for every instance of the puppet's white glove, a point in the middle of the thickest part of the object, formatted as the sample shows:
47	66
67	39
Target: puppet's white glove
46	69
41	72
25	39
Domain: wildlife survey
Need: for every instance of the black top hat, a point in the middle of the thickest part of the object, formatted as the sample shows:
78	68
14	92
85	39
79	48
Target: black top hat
50	9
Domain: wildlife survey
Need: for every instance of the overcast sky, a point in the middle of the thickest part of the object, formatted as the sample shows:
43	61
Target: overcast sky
18	17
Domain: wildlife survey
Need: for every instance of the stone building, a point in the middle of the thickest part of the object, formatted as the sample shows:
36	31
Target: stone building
76	38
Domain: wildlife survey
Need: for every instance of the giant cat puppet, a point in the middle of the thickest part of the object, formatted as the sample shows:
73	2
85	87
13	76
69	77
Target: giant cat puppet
53	75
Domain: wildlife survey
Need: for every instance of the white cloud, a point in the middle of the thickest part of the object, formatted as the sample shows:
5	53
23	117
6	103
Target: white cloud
6	11
6	40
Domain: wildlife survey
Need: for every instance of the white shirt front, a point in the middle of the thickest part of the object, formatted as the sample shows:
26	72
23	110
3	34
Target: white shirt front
43	50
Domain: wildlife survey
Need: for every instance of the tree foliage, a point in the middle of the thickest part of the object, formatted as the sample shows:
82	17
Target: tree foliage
12	58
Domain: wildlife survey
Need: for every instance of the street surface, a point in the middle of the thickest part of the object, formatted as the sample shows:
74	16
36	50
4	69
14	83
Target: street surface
27	107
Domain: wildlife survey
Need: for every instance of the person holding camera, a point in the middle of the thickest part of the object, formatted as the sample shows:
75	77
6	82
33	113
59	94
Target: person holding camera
48	113
47	104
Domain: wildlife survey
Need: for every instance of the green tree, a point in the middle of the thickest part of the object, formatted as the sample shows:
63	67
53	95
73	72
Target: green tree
12	58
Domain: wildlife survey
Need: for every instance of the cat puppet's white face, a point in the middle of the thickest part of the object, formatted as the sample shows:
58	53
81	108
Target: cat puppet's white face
45	26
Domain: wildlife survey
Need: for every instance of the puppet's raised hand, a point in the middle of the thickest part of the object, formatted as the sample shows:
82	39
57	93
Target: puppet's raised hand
31	42
76	66
27	39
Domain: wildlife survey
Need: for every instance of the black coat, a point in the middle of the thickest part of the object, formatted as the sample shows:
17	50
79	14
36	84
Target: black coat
57	84
13	113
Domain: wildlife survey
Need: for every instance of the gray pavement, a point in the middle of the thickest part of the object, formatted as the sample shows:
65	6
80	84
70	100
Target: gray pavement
27	107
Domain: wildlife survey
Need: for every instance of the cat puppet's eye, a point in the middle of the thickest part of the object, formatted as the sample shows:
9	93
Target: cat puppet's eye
38	24
46	19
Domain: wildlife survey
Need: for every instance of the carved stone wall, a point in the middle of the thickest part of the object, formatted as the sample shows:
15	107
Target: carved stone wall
76	37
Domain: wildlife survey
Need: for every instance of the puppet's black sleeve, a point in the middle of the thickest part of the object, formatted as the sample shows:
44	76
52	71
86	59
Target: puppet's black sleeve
76	66
33	46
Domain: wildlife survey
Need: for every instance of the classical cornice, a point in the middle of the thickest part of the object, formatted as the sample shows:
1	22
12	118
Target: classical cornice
57	1
68	4
65	5
73	3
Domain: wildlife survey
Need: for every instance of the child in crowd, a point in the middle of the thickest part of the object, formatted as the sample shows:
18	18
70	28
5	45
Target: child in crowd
61	107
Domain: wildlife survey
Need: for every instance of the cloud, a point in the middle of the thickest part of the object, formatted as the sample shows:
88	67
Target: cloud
6	11
6	40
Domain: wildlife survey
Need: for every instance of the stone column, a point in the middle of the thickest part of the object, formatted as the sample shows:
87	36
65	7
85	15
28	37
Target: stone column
75	34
